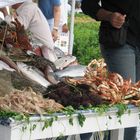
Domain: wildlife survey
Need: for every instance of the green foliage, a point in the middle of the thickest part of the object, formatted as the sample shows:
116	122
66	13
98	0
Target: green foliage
16	116
81	119
121	109
69	111
101	109
47	123
86	40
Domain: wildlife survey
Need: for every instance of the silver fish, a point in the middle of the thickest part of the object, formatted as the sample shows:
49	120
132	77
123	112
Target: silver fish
64	61
71	71
59	52
33	74
9	62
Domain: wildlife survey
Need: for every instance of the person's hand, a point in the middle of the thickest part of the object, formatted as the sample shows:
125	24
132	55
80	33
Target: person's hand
117	19
55	34
65	28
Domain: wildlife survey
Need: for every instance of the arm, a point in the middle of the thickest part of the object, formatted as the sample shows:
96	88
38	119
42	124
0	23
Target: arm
116	19
94	10
90	7
64	16
57	13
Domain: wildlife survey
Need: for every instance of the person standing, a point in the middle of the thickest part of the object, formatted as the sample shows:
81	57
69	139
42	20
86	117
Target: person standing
119	38
51	10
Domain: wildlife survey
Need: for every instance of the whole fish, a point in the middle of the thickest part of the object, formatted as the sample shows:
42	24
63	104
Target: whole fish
64	61
5	66
33	74
8	61
71	71
59	52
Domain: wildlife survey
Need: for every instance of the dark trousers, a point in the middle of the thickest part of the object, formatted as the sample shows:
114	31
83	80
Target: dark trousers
124	60
129	134
85	136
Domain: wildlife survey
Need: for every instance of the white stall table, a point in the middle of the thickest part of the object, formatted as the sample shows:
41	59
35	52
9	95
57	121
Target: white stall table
93	123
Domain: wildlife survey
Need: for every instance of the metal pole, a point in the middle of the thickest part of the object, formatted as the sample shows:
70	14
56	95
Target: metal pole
71	36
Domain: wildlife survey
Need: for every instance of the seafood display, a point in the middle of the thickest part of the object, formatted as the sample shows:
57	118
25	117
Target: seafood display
111	87
14	35
97	86
33	74
65	81
71	71
16	46
64	61
28	102
74	95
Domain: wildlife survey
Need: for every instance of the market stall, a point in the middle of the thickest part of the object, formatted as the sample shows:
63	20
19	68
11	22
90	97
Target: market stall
94	87
93	123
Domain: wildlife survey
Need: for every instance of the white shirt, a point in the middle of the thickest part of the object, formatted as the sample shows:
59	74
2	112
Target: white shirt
33	20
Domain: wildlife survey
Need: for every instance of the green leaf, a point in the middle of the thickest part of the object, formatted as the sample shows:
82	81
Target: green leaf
81	119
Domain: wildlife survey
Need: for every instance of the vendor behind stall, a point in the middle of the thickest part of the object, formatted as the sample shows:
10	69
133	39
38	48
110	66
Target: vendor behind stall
29	15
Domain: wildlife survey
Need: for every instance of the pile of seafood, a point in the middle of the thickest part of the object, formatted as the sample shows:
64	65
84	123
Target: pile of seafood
96	86
100	86
17	45
74	95
28	102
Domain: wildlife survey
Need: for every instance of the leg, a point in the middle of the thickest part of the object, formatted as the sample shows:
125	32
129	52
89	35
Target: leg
130	133
107	135
85	136
123	61
117	134
138	64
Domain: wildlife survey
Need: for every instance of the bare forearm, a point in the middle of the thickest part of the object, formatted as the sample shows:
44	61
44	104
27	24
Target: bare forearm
56	22
57	13
104	15
116	19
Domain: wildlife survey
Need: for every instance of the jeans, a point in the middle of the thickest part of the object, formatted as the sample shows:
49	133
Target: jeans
124	60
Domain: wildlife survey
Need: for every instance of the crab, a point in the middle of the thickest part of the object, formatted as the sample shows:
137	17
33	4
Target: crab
110	86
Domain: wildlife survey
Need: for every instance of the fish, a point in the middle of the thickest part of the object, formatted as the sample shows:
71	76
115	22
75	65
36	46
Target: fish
8	61
33	74
71	71
5	66
59	53
64	61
